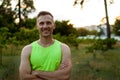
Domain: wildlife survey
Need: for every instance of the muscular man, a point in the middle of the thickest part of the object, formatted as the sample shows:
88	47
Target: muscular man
45	58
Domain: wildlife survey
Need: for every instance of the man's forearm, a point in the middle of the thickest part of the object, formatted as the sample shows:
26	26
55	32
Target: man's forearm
60	74
29	77
56	75
63	72
44	75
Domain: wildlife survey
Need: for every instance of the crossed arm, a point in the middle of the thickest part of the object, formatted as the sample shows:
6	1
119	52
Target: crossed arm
63	72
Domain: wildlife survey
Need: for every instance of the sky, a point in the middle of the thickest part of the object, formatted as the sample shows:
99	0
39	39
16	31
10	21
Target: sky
91	14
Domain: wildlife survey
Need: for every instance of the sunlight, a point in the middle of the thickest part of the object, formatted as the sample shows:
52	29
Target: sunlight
92	13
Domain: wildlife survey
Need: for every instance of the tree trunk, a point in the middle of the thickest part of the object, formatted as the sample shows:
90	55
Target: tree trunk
19	3
108	25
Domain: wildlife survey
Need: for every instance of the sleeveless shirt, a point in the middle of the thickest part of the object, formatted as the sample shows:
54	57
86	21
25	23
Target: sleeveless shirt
45	58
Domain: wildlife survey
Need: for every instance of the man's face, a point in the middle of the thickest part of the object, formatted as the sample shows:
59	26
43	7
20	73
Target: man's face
45	25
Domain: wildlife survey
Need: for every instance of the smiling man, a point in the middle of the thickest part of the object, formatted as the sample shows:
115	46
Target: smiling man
46	58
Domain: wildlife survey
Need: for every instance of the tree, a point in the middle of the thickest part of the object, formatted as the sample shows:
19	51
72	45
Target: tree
107	19
29	23
6	11
116	27
3	22
21	10
7	19
83	32
64	28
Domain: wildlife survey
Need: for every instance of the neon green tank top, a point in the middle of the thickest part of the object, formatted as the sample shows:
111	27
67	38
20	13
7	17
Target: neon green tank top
45	58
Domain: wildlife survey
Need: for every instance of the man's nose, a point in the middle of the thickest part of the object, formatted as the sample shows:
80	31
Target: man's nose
45	25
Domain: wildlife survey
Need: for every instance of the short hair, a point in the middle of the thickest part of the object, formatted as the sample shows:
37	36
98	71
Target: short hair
41	13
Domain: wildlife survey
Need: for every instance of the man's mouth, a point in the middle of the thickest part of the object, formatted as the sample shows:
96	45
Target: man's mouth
45	29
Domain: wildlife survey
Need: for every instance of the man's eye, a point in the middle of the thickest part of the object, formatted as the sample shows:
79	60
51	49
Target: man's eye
41	23
48	23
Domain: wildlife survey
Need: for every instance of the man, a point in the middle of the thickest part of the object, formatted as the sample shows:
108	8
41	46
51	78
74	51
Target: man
46	58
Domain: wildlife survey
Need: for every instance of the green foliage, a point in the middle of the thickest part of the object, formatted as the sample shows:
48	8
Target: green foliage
25	36
64	28
104	67
70	39
6	10
4	36
116	27
28	8
29	23
10	14
83	32
3	39
94	32
3	21
10	33
100	44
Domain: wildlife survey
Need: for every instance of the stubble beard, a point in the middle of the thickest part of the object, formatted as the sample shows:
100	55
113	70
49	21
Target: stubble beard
46	32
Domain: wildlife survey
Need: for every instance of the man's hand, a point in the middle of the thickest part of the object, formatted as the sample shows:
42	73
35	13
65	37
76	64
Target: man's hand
36	73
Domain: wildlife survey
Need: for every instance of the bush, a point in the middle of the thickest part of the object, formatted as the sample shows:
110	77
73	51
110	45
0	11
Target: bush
101	44
26	36
71	39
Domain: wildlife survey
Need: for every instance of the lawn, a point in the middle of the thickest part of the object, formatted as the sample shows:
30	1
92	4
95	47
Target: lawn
96	66
100	65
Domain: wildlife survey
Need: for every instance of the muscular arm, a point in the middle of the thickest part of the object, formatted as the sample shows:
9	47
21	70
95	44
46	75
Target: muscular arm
64	71
25	68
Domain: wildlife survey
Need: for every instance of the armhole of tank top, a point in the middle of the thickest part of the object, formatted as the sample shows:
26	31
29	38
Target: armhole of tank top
60	43
32	45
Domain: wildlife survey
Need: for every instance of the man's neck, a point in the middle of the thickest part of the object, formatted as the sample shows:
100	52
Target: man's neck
46	41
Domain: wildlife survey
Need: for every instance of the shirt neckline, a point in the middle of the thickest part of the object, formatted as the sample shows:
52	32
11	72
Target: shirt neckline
46	46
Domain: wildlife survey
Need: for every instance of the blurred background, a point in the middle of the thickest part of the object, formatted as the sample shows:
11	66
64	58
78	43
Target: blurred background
90	27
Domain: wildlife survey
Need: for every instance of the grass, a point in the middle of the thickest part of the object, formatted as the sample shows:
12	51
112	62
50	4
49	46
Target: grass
9	67
103	66
86	66
10	62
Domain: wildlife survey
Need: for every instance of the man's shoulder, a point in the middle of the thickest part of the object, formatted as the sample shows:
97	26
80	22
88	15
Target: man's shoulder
66	51
26	49
29	46
65	47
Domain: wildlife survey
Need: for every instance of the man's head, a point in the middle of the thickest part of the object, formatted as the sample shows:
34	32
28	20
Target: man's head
45	23
42	13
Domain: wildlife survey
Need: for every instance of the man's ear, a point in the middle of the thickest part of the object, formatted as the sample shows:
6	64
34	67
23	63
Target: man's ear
37	24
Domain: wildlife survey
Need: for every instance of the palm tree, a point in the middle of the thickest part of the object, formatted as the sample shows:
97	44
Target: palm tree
81	2
108	25
19	12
